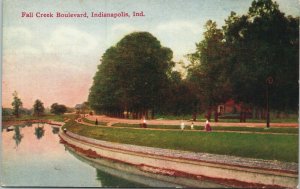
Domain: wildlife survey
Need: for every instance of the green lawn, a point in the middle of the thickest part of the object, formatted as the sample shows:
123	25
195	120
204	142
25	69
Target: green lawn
93	122
290	130
274	147
291	118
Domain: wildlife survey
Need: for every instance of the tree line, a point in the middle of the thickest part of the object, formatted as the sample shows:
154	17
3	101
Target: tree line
37	110
252	59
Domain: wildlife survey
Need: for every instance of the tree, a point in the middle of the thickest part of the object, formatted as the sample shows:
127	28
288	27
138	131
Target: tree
263	43
58	109
38	108
207	70
17	104
7	111
132	76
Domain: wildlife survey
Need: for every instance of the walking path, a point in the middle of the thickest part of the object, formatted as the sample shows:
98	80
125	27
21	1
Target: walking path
111	121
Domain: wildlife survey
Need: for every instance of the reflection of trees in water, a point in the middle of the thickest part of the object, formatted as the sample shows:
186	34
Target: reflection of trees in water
55	130
29	125
17	136
108	180
104	176
39	131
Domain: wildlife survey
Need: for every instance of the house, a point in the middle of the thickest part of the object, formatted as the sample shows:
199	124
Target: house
231	110
78	108
229	107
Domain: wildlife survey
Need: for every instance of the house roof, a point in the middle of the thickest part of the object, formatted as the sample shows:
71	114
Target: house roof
78	106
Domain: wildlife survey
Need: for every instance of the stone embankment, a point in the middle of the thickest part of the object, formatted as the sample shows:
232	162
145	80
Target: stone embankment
224	170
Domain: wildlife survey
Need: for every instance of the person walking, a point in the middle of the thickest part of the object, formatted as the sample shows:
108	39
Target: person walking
182	125
144	123
207	126
192	126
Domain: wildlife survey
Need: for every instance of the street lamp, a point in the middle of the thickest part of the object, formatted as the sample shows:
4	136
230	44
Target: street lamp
269	81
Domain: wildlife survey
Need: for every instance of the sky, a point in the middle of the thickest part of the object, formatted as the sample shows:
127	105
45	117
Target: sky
55	59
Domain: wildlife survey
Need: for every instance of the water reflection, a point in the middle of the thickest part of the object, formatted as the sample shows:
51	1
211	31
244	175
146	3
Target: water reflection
39	131
17	136
47	163
115	174
41	163
55	130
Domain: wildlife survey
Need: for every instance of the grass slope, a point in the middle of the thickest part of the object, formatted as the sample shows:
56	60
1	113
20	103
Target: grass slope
290	130
273	147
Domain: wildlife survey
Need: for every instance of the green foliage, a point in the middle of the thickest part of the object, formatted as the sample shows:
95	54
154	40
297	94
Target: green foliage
7	111
58	109
93	122
39	132
132	75
235	61
38	108
263	43
17	104
207	71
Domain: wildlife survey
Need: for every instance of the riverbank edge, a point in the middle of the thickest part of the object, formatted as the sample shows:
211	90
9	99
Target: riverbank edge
230	175
6	124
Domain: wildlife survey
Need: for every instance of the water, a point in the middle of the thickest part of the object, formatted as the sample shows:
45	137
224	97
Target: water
33	157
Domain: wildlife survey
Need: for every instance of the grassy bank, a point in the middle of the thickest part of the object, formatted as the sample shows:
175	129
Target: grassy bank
290	118
274	147
93	122
44	117
289	130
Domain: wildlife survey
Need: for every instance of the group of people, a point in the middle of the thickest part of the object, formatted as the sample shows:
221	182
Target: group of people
207	126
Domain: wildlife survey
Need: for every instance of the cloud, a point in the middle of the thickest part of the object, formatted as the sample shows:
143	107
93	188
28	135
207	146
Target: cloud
53	68
16	35
118	31
187	34
179	26
19	40
68	40
123	28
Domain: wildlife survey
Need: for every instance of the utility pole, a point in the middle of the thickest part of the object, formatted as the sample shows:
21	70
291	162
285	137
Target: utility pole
269	81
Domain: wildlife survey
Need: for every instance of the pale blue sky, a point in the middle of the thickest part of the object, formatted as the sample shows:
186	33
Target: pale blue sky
55	59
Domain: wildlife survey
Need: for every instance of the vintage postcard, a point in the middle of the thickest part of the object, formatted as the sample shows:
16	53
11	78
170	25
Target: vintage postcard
150	93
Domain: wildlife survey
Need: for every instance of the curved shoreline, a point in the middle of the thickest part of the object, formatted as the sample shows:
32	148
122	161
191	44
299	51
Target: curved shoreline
6	124
225	173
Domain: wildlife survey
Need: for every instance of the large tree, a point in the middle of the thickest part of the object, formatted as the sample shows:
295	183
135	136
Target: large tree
207	71
263	44
132	76
38	108
17	104
58	109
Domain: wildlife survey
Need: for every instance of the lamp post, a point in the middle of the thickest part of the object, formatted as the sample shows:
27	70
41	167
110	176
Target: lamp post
269	81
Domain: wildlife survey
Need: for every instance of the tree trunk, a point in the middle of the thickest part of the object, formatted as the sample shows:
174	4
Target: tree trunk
194	116
152	114
208	115
216	114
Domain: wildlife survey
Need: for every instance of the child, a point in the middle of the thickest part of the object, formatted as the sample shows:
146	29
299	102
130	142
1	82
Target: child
182	125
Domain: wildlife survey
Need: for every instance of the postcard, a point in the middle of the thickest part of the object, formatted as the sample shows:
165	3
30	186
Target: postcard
150	93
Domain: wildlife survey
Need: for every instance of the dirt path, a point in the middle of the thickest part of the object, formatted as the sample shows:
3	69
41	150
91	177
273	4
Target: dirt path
112	121
109	124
